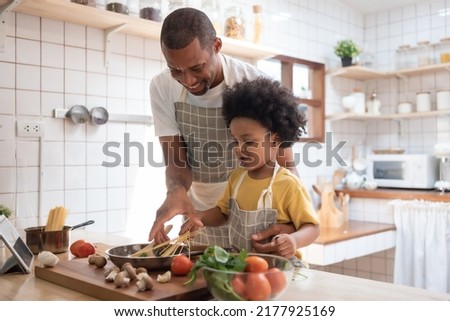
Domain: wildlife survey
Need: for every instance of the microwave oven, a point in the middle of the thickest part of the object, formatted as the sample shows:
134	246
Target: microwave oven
415	171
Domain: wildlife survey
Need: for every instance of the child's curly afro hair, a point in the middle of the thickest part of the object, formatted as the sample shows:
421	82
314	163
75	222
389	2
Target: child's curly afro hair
269	103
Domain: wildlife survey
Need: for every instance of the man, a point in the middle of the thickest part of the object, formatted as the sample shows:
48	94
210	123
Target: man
186	102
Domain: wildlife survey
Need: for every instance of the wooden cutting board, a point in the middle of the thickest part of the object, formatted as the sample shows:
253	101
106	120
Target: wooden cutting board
76	274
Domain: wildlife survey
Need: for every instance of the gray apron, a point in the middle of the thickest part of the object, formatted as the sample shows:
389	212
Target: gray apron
243	224
211	161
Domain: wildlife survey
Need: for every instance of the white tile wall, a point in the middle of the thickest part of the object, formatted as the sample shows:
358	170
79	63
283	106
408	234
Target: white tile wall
52	64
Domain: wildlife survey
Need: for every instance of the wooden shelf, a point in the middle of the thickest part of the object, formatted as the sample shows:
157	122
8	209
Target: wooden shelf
396	193
364	73
352	116
102	19
420	70
357	73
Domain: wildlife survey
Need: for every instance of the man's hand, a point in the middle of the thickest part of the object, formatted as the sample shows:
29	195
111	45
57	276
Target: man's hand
177	202
269	233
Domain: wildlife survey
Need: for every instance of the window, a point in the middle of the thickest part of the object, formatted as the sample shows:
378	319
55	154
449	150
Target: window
306	79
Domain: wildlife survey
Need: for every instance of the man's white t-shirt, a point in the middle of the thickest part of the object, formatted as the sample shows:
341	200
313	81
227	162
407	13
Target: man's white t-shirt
165	91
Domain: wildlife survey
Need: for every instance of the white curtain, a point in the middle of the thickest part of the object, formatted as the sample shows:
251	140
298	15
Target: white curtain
422	255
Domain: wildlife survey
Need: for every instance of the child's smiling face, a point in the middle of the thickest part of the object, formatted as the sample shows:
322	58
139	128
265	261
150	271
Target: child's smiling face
255	147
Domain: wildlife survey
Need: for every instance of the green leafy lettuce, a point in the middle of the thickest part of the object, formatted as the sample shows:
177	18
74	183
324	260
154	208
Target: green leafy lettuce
218	258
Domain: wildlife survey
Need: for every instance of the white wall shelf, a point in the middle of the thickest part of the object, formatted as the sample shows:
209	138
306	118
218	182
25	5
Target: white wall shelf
67	11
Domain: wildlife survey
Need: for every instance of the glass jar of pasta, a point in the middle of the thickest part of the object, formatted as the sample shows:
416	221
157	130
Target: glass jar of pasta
119	6
235	23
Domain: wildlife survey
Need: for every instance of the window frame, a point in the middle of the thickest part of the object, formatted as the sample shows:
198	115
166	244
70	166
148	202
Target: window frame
316	110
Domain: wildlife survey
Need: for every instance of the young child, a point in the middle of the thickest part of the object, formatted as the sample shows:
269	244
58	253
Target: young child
263	117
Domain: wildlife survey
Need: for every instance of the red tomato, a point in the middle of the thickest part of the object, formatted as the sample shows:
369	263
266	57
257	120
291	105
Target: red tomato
257	287
277	280
238	285
85	249
256	264
75	245
181	265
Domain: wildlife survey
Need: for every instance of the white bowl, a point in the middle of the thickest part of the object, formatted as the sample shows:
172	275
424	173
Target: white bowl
370	185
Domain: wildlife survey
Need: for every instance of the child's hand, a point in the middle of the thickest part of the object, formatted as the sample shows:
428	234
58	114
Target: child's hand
285	245
188	225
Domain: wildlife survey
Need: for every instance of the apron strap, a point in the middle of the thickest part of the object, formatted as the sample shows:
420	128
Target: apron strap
265	200
238	184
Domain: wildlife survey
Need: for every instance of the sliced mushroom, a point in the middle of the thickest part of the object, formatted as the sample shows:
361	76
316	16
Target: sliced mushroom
111	274
164	278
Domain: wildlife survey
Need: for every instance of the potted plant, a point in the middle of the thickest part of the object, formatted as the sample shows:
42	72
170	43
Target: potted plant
346	49
5	211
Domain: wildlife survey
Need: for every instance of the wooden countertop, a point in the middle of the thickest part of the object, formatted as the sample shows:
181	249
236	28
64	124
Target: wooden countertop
310	285
396	193
350	230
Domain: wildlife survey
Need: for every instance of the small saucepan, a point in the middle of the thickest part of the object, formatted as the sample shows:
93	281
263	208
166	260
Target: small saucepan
54	241
78	114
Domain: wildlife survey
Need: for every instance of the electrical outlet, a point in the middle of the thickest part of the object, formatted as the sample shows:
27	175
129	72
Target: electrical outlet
30	128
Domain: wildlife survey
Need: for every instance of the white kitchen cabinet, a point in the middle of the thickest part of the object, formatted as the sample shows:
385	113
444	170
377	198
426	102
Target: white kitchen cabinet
112	22
354	239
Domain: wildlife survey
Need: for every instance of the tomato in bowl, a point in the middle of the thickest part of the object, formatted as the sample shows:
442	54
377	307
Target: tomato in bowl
265	277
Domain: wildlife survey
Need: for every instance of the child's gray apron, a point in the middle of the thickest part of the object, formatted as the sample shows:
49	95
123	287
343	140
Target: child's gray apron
211	160
243	224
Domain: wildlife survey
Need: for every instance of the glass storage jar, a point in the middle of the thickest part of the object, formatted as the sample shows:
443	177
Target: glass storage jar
235	23
257	24
119	6
403	57
424	53
214	13
133	7
177	4
85	2
150	9
444	51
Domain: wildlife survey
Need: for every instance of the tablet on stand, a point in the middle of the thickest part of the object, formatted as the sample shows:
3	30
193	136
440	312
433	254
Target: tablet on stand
15	255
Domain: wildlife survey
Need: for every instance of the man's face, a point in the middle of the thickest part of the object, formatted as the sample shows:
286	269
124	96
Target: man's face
193	67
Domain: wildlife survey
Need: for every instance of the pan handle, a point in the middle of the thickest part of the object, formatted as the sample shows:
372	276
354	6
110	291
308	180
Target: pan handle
83	224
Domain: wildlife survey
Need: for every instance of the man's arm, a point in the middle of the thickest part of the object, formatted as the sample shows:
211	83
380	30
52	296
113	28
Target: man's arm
178	182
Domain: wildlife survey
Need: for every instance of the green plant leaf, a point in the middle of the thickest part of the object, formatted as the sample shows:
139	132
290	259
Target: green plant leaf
346	48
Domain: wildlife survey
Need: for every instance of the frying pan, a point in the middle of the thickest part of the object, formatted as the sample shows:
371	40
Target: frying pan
122	254
54	241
